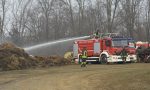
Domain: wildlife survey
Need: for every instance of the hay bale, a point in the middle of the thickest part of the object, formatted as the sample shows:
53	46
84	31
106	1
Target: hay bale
68	55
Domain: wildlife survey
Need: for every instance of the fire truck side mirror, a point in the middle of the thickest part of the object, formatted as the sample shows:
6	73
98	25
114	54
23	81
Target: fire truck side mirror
108	43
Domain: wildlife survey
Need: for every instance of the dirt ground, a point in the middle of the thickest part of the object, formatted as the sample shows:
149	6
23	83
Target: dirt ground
94	77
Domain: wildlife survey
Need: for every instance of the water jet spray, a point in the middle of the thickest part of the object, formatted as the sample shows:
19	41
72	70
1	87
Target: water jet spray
53	42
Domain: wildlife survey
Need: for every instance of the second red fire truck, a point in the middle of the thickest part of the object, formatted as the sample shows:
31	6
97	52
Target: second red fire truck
105	49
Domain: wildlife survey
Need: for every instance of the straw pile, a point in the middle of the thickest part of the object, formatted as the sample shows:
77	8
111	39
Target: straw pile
51	61
15	58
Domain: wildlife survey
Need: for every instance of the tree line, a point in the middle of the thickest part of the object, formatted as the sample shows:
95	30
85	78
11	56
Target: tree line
28	22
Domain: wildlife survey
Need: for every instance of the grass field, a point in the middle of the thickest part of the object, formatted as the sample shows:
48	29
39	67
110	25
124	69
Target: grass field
134	76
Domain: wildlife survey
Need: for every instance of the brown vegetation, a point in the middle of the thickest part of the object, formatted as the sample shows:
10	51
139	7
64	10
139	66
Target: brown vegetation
14	58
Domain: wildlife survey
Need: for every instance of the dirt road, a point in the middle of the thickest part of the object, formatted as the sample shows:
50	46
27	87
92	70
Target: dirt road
94	77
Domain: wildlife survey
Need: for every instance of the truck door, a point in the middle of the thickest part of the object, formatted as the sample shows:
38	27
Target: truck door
96	48
108	43
75	50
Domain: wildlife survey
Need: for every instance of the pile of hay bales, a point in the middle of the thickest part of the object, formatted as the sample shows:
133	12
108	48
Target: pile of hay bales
15	58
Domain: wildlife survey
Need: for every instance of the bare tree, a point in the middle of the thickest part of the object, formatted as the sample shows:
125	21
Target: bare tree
111	13
130	12
99	13
81	4
148	21
71	16
36	21
20	19
2	18
109	9
46	6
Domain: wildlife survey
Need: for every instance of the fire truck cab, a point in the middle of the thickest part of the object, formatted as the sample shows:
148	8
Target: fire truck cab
104	49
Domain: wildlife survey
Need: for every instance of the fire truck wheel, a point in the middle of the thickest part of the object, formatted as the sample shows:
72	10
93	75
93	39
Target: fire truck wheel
104	59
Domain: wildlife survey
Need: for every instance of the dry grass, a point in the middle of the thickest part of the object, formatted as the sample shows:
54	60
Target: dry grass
94	77
136	77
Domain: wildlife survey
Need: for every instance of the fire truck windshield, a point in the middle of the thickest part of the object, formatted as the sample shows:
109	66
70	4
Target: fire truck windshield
118	43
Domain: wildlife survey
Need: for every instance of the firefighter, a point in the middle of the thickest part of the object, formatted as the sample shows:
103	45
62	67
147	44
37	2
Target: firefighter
139	53
96	33
84	57
124	54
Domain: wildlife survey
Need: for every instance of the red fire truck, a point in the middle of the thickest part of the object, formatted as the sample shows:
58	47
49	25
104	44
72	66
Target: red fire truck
105	49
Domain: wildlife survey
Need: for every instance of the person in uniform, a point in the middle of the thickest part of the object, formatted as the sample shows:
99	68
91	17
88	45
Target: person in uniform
124	54
84	57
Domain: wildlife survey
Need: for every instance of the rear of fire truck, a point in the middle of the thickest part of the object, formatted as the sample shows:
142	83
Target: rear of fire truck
93	49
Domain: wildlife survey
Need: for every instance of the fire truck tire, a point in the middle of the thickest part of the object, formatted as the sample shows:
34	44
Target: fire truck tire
104	59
